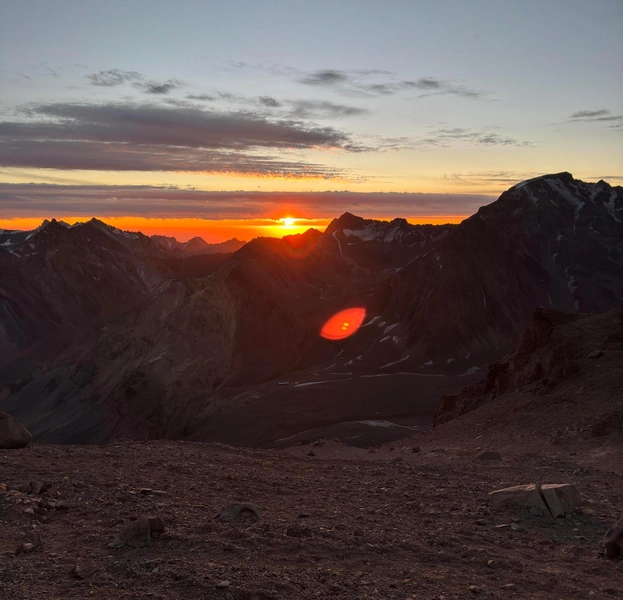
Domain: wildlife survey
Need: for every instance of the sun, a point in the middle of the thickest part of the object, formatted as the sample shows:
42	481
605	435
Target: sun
288	222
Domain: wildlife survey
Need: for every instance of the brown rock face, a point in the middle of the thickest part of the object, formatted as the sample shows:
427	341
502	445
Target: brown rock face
12	433
551	351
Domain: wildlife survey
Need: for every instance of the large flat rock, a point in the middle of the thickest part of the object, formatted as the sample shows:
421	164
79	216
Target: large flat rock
555	499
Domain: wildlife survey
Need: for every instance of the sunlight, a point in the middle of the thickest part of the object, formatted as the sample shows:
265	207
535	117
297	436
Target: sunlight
288	222
343	324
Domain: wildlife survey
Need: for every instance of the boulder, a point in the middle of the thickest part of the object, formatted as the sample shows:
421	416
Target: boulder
526	496
12	433
561	498
555	499
614	542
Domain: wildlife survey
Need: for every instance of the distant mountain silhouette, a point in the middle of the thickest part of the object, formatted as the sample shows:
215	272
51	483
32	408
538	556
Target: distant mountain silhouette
197	245
108	333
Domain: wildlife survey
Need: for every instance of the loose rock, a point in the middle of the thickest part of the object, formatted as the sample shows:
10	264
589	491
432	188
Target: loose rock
84	570
488	455
139	533
242	512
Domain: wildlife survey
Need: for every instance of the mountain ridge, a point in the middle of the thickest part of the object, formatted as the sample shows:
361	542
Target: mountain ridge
117	329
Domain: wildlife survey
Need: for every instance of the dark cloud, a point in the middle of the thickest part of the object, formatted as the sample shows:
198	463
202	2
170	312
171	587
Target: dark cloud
305	109
19	200
358	83
597	116
589	114
146	137
203	97
297	109
326	77
269	101
158	87
113	77
83	155
445	136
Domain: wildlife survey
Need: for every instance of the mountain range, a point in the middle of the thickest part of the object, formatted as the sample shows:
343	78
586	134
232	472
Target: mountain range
106	333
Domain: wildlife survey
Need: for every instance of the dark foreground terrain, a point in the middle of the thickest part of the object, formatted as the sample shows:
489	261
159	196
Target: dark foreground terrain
336	522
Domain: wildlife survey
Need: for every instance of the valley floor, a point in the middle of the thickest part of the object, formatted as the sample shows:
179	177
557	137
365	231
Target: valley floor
336	522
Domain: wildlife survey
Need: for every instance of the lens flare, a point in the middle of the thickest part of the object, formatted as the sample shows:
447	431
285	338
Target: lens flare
343	324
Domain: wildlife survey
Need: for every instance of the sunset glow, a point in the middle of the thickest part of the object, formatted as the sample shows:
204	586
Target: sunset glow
212	231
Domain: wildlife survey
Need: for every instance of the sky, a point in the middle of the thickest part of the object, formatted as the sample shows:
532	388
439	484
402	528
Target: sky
199	117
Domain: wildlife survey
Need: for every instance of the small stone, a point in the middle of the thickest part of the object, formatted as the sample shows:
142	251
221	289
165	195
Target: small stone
395	460
222	585
415	449
239	512
311	453
595	354
488	455
84	570
138	533
24	548
515	527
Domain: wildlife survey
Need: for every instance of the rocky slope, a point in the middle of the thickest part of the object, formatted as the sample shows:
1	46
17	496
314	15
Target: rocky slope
561	384
552	241
335	522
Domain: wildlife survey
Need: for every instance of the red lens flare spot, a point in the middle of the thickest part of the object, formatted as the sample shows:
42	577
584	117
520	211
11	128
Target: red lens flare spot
343	324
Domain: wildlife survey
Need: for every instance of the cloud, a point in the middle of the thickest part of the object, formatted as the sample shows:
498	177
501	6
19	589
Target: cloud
596	116
326	77
22	200
320	109
445	136
361	83
589	114
113	77
269	101
298	109
503	179
158	87
147	137
203	97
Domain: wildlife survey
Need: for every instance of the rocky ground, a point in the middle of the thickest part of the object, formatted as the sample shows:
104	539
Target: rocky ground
336	522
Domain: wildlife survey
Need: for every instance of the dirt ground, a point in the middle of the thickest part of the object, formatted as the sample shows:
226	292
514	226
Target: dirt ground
336	522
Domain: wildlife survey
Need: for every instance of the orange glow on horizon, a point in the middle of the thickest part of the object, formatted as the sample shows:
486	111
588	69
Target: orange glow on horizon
343	324
212	231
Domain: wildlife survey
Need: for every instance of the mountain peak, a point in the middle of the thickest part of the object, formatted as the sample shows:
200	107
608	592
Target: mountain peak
346	221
